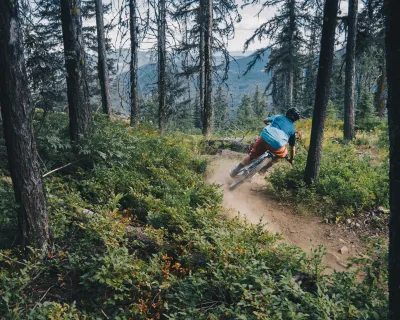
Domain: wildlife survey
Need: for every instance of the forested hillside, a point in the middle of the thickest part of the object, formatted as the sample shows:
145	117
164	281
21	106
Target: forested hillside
235	86
150	170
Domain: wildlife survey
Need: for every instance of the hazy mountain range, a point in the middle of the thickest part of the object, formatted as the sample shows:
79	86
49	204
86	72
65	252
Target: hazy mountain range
237	85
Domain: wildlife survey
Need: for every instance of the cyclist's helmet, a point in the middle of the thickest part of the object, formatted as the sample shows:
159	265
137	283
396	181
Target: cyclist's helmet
293	114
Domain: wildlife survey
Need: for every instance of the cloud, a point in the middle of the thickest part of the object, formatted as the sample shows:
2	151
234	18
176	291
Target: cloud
252	18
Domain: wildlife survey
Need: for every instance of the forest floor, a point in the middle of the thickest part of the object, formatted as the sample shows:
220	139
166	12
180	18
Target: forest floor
253	201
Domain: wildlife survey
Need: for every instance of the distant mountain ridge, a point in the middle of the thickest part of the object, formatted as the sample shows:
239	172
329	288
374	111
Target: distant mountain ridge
237	84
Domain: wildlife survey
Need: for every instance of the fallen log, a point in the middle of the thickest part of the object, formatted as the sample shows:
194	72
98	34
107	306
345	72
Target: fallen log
234	144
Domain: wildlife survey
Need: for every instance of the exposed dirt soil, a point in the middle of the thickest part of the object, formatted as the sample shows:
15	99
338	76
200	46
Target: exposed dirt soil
251	200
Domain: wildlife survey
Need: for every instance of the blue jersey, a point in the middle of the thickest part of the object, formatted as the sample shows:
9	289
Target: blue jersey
279	132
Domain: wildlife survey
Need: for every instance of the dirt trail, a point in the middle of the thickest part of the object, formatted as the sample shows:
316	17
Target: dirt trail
252	200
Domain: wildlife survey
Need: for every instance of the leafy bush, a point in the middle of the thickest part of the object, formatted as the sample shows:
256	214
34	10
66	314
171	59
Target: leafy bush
138	235
8	216
347	184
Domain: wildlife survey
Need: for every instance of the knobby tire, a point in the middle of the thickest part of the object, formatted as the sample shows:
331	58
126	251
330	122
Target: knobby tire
250	174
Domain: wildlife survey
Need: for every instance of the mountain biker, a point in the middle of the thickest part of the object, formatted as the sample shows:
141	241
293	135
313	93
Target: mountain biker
279	131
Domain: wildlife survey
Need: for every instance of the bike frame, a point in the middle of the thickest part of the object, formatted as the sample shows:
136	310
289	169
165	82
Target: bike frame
251	169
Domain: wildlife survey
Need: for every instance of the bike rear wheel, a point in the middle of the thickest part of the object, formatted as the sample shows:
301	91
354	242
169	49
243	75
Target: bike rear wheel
248	175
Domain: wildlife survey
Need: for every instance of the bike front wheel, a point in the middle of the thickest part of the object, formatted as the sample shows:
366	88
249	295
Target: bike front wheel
249	174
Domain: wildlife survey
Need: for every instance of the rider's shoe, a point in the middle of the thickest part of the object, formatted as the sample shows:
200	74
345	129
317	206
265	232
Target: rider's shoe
236	170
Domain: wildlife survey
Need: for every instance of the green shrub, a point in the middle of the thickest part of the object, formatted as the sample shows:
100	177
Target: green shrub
347	184
138	235
362	141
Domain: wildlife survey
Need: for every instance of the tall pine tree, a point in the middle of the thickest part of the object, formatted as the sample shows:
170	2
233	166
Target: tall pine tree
349	87
18	132
221	118
322	93
80	113
259	104
284	31
102	67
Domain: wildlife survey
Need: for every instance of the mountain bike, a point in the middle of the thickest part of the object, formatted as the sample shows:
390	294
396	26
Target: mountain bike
257	165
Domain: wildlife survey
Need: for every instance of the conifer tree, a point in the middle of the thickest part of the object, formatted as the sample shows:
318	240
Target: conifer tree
349	87
322	92
17	115
287	42
244	115
102	60
207	26
149	109
210	23
311	62
197	117
371	52
337	95
44	56
133	68
221	118
161	66
80	113
259	104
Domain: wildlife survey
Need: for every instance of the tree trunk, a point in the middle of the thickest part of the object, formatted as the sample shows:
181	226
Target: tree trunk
80	113
290	88
322	90
380	100
292	30
310	77
18	132
134	64
201	59
102	63
187	64
162	92
349	87
1	126
208	109
359	85
393	80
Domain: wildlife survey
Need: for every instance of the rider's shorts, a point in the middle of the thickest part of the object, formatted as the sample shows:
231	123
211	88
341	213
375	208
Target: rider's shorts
260	147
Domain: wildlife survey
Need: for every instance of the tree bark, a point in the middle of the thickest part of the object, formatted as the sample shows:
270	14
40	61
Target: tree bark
186	61
349	87
201	59
162	92
208	109
80	113
360	76
380	99
134	64
322	90
393	80
1	125
292	29
18	132
102	60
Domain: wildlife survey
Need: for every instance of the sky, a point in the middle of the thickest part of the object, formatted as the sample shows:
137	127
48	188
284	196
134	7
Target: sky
245	28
